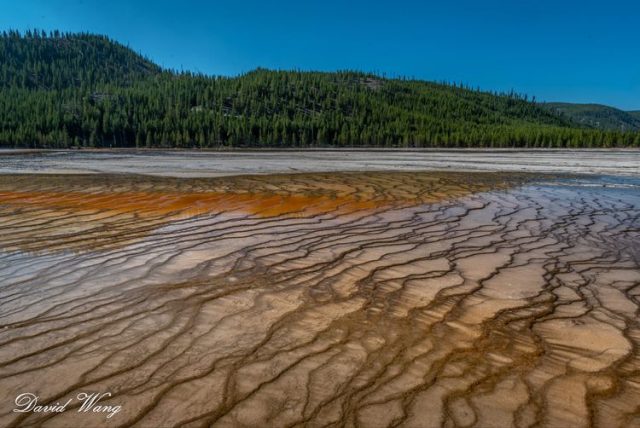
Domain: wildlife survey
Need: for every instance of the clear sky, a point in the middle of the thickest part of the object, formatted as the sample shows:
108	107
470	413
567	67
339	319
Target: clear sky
556	50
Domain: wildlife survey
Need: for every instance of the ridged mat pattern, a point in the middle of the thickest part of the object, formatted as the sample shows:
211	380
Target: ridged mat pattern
342	299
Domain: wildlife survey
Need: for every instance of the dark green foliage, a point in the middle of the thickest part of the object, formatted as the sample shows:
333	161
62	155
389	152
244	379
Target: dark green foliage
38	60
598	116
634	114
83	90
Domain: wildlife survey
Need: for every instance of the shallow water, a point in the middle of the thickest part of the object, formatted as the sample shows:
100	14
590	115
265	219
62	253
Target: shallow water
358	299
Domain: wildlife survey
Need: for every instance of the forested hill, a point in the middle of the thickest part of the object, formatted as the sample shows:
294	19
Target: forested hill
81	90
56	61
599	116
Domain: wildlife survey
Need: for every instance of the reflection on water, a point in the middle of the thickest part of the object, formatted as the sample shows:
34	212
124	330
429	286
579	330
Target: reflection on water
380	299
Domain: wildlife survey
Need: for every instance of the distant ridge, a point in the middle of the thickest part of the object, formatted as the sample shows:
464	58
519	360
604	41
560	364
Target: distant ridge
635	114
599	116
83	90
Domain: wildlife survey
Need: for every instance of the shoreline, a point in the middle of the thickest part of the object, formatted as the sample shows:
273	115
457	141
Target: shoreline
187	163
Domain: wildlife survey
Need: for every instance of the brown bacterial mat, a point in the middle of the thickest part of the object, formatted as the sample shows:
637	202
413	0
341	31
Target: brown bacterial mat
342	299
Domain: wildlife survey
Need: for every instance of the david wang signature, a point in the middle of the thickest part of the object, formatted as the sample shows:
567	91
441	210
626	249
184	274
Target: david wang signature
28	402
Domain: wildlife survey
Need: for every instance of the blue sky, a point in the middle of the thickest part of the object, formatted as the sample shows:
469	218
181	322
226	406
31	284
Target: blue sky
562	50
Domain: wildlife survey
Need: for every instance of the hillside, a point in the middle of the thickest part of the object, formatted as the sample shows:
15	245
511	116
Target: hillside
81	90
58	61
599	116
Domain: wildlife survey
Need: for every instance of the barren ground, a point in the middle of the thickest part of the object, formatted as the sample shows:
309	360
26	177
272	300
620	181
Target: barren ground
212	164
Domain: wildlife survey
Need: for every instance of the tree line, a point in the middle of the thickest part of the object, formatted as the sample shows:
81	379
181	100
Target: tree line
80	90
